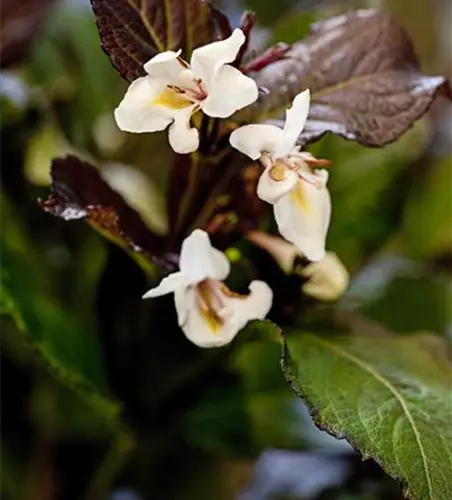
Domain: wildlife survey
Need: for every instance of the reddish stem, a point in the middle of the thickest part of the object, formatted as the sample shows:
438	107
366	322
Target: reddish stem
271	55
221	21
246	25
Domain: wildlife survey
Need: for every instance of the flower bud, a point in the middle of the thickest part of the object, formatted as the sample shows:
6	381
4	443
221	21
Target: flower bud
327	279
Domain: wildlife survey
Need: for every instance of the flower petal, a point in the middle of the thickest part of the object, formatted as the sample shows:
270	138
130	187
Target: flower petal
185	303
199	260
230	91
270	189
136	113
327	279
303	217
165	65
169	284
206	331
253	140
207	60
183	138
295	121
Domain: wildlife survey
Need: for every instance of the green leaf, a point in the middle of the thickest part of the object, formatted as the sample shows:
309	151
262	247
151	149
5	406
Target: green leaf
425	305
428	213
133	31
71	69
292	27
364	78
274	416
267	12
389	397
366	186
68	344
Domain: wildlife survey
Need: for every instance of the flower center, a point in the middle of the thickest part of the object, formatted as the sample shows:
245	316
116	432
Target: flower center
210	303
193	90
171	99
278	171
211	299
186	91
299	162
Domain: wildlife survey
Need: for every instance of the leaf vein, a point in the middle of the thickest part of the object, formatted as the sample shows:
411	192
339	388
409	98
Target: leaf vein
369	369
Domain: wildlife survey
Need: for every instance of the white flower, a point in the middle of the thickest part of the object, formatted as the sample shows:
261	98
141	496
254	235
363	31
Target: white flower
324	280
327	280
208	312
173	90
302	204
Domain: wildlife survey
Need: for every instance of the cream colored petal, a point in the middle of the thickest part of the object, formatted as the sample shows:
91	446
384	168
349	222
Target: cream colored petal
185	304
295	121
165	66
169	284
208	59
206	331
253	140
183	138
230	91
199	260
319	178
271	190
239	310
303	218
136	112
327	279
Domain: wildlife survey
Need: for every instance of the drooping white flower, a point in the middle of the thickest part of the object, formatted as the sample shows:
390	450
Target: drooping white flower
208	312
327	279
173	90
290	180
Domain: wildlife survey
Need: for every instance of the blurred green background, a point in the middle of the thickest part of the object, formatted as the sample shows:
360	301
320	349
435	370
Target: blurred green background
80	348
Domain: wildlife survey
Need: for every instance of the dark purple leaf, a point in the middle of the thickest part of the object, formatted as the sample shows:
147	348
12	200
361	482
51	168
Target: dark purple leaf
363	75
79	192
246	25
133	31
221	20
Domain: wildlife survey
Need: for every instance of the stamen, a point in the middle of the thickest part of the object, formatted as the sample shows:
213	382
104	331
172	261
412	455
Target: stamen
318	162
311	160
176	89
278	171
210	303
201	88
183	63
309	181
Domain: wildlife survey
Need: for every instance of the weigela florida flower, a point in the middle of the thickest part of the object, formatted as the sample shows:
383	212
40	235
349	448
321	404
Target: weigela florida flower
290	181
325	280
173	90
208	312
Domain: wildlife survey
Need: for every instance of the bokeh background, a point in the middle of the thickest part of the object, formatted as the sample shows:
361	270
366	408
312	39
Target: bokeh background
212	429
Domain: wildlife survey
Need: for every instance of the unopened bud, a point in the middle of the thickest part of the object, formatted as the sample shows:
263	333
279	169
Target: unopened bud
327	279
324	280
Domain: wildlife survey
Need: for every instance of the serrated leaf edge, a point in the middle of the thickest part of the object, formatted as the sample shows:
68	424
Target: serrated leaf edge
290	378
